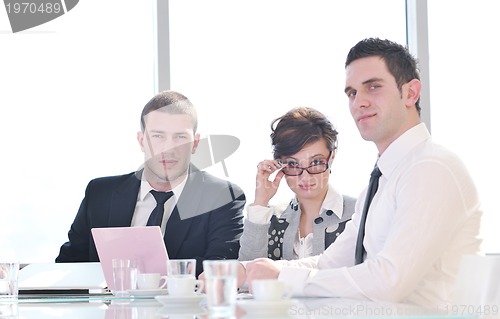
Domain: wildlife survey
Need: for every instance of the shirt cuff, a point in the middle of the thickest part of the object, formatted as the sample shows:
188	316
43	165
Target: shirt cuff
296	277
259	214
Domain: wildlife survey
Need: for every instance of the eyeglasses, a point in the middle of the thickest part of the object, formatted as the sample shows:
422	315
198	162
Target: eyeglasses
313	169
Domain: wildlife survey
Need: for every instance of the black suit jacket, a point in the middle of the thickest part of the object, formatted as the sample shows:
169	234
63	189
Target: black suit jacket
206	223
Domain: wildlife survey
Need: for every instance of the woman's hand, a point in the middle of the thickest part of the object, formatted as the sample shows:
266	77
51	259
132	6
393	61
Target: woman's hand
261	268
264	188
242	275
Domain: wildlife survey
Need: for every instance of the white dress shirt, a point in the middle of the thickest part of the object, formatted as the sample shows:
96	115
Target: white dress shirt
146	203
424	217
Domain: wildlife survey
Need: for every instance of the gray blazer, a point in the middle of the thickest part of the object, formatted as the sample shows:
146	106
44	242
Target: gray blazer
275	239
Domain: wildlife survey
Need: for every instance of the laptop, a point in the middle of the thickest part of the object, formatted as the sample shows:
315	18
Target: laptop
144	244
61	278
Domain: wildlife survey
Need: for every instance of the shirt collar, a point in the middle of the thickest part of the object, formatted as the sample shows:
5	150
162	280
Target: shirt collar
333	201
146	188
400	148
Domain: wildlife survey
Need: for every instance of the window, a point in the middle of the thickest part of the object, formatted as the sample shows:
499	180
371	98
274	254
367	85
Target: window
73	89
245	63
463	71
71	97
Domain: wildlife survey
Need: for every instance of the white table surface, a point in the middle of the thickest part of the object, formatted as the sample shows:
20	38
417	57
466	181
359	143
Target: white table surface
108	307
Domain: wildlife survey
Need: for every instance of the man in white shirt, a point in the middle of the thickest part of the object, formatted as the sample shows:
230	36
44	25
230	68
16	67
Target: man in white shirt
425	215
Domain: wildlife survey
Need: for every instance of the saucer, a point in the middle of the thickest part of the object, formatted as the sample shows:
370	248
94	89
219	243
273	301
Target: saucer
147	292
180	302
257	307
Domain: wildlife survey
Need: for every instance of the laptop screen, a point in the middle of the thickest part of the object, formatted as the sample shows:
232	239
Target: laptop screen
144	244
49	277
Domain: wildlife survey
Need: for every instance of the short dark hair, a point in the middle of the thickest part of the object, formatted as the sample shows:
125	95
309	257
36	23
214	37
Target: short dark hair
400	63
300	127
171	102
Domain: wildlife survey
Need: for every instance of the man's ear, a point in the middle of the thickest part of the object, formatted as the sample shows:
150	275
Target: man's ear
414	89
196	142
140	139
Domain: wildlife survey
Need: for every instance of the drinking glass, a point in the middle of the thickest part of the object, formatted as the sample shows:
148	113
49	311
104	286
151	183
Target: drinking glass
221	286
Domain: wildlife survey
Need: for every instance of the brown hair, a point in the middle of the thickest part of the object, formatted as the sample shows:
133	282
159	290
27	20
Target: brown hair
400	63
171	102
300	127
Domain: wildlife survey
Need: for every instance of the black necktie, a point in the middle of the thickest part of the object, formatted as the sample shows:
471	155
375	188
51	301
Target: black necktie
372	189
157	214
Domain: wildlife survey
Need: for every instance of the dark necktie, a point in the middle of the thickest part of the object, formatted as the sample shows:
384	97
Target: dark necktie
157	214
372	189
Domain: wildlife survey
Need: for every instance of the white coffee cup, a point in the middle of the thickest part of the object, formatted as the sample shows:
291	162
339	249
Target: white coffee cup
150	281
270	290
183	285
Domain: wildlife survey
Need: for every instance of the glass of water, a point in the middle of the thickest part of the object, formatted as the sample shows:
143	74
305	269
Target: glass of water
124	276
9	273
221	286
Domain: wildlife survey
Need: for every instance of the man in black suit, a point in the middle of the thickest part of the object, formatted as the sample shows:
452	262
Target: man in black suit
204	217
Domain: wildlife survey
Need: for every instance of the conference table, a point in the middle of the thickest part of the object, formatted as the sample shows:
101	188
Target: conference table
107	306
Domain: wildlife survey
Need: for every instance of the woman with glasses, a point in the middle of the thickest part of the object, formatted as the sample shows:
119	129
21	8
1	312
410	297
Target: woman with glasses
304	143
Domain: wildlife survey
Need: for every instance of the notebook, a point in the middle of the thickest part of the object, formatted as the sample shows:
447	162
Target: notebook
61	277
144	244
